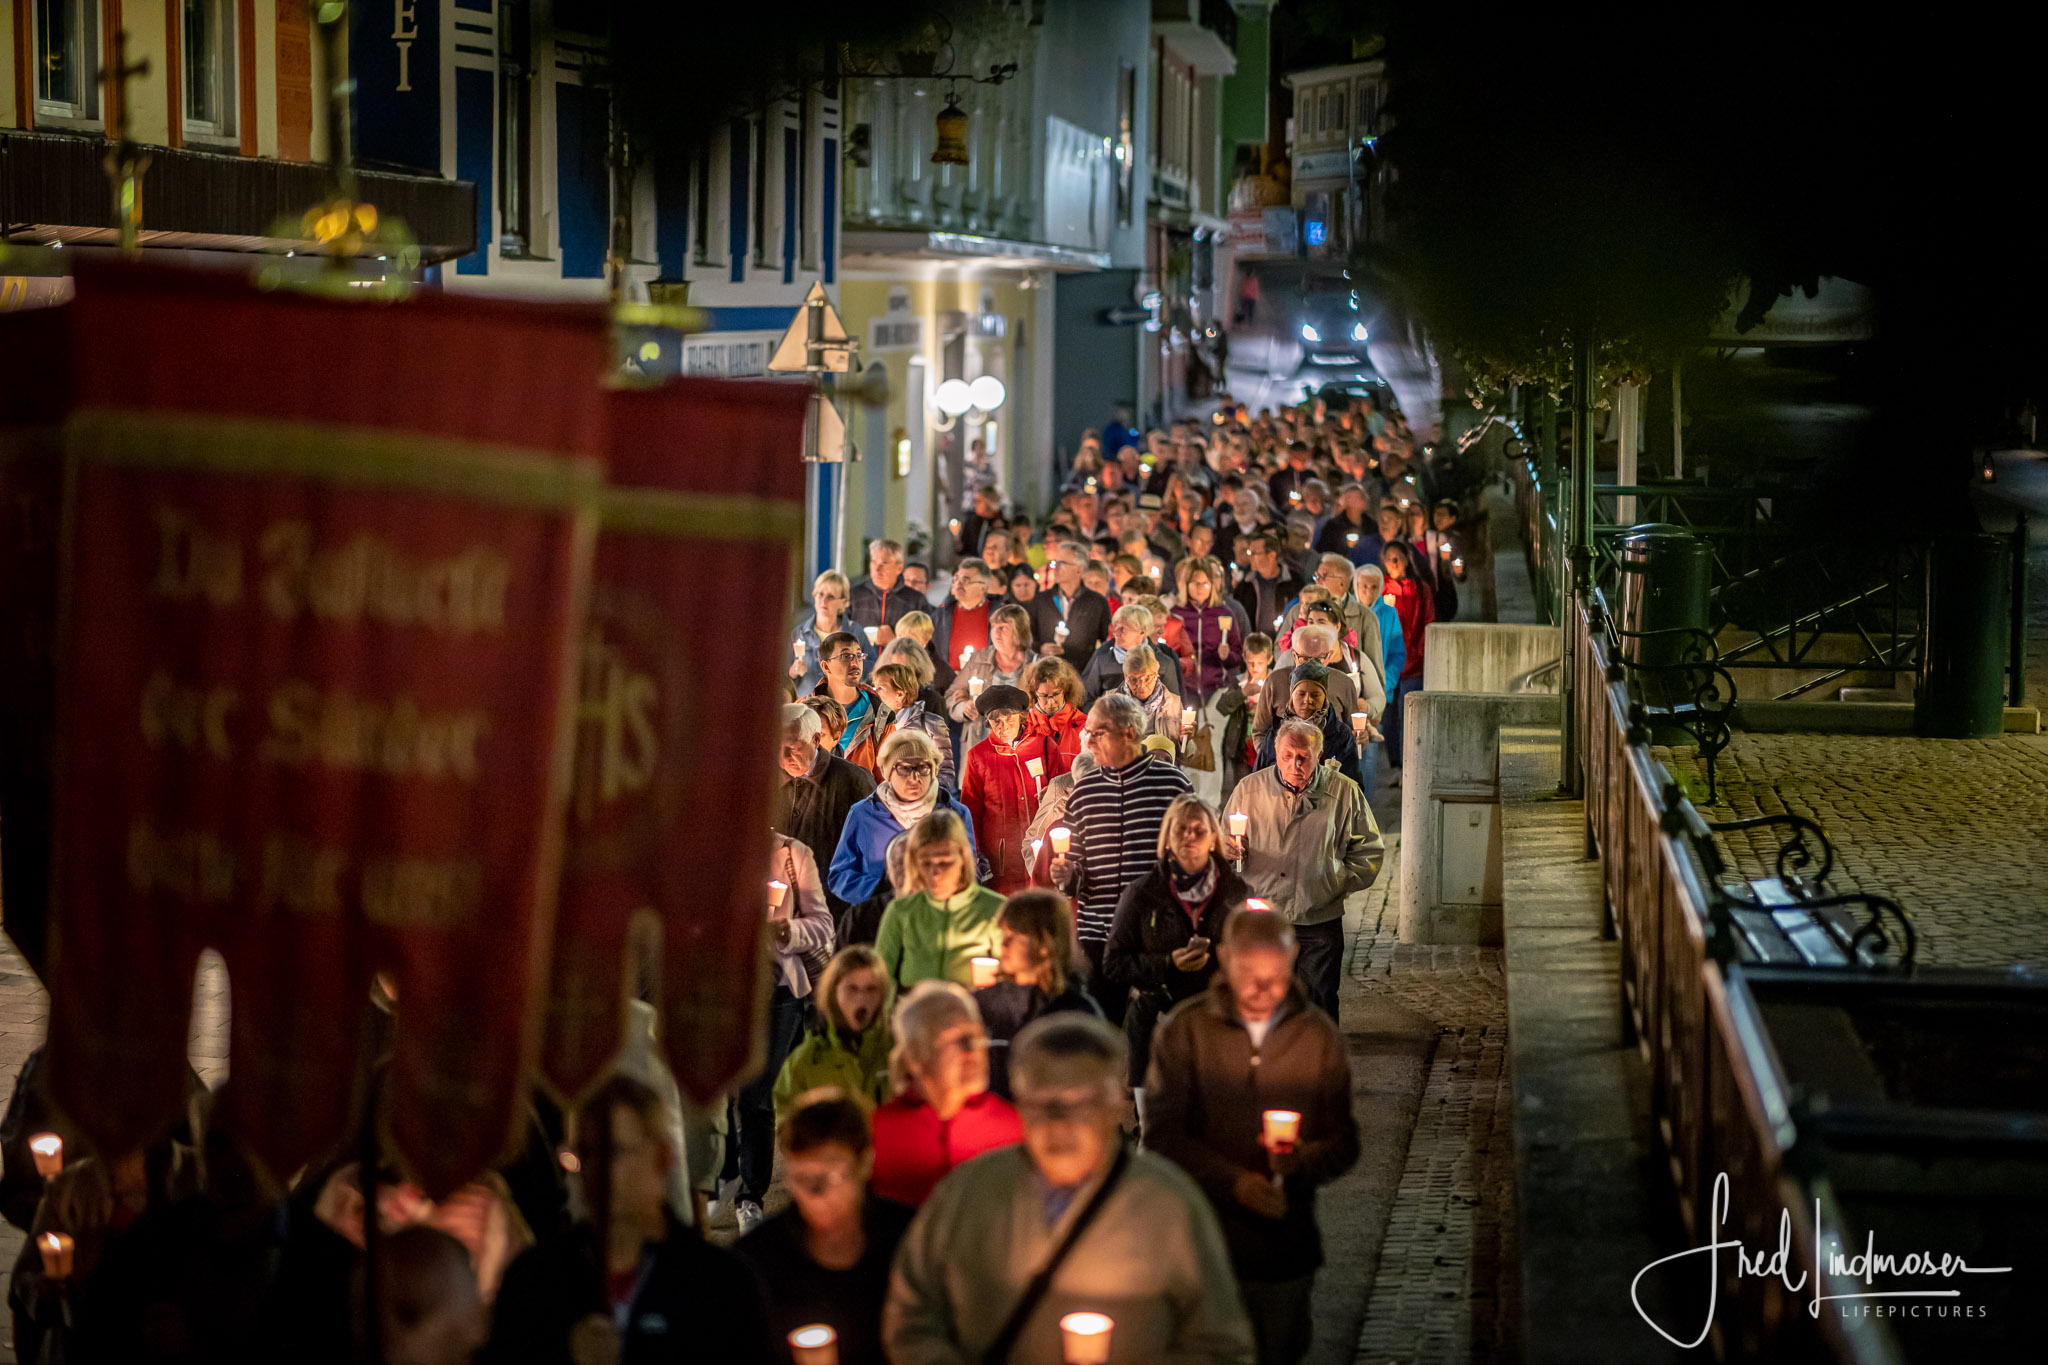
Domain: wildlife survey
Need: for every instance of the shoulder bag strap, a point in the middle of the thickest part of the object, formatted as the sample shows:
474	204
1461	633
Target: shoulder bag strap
999	1350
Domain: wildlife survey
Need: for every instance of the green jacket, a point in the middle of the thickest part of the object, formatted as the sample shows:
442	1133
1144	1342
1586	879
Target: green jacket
921	938
822	1058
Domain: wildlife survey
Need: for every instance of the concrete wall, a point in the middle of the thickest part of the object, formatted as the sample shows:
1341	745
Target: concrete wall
1484	657
1450	811
1081	46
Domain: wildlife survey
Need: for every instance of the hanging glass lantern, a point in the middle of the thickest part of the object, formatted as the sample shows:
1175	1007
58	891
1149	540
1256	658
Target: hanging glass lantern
952	147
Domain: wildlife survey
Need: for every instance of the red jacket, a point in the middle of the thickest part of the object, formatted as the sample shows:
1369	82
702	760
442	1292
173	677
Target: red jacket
1415	604
1055	738
998	792
914	1147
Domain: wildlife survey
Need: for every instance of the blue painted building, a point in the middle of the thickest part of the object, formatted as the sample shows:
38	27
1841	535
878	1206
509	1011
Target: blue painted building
747	221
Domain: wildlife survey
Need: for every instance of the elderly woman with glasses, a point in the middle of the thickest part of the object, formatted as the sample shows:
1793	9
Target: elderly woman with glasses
943	1113
909	791
1142	685
945	917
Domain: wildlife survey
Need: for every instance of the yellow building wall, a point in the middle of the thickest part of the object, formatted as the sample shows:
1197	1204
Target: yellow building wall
149	94
866	300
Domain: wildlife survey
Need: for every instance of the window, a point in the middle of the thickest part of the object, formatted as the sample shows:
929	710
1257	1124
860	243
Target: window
700	211
515	131
67	58
209	54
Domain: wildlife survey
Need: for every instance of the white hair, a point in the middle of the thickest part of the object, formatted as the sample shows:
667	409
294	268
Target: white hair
802	719
1295	730
1133	615
1314	640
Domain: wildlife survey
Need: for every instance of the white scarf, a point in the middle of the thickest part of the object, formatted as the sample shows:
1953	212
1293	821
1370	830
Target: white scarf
908	813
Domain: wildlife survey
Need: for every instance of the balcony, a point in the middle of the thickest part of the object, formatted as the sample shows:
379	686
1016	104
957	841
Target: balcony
1202	33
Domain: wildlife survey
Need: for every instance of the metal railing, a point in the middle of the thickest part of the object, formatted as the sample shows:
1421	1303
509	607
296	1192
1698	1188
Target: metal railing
1688	933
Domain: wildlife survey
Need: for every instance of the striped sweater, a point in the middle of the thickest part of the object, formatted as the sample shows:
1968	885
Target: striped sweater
1115	815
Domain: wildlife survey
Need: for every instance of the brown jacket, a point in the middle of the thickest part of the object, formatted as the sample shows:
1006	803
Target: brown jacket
1206	1093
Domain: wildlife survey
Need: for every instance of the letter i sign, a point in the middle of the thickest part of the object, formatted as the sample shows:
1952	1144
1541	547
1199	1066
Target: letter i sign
404	29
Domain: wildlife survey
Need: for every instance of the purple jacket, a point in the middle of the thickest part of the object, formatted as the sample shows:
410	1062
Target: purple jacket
1207	636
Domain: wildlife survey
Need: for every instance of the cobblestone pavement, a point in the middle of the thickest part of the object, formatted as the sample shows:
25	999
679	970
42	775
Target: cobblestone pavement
1954	830
1445	1285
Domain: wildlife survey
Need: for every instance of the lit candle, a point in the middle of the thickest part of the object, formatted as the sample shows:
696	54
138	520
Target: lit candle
1294	495
1036	767
874	634
954	525
975	684
1062	840
799	649
1223	626
1084	1338
1239	822
1282	1127
985	969
966	653
49	1153
1278	619
1457	566
1254	903
1351	538
56	1249
777	893
1187	722
1060	631
1358	721
814	1345
1443	547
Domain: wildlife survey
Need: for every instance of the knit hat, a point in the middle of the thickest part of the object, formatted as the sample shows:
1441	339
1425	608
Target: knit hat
1311	671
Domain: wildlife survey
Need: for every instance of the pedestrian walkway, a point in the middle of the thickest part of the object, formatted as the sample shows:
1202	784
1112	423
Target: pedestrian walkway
1955	830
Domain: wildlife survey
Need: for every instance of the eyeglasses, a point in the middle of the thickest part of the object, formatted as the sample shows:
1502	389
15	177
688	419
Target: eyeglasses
819	1185
912	769
852	658
1053	698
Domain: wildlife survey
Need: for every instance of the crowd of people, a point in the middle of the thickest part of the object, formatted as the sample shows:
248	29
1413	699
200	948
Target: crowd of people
1054	910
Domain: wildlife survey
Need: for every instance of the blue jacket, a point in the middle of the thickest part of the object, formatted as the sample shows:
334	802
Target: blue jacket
1392	646
861	860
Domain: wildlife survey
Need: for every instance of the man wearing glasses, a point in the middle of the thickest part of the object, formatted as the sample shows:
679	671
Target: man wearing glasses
1072	619
1114	814
1151	1254
841	658
961	626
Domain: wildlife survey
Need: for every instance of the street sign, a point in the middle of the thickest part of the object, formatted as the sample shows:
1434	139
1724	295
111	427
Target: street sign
816	340
1125	315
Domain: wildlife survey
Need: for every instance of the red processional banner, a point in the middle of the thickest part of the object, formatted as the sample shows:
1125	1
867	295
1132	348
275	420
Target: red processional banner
668	815
324	569
35	347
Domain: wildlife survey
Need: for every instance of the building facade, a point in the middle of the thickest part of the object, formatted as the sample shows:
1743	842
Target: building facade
1338	187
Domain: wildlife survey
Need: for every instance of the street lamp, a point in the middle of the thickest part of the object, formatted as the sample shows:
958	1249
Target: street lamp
955	398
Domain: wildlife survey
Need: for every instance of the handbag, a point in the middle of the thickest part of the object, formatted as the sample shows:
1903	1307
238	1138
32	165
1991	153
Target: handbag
998	1352
815	959
1201	748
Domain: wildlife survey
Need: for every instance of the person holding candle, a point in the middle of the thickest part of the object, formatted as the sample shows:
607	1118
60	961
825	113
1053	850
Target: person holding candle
848	1043
1416	605
1069	602
946	918
943	1113
1052	812
1310	841
1215	630
1036	962
799	947
1143	685
909	790
1248	1045
1315	696
825	1259
1053	725
814	790
1269	586
653	1289
878	601
1002	663
1161	945
829	595
1148	1255
962	625
999	790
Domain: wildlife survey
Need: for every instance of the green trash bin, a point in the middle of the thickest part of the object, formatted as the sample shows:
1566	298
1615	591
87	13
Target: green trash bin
1968	626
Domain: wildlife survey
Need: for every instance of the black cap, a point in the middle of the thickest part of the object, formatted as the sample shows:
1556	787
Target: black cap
1001	697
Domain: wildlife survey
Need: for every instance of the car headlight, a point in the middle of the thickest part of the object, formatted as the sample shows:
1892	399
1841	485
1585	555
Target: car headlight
1358	331
1309	333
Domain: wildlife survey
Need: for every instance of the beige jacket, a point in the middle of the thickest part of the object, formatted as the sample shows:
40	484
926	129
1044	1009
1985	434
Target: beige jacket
1304	853
1153	1260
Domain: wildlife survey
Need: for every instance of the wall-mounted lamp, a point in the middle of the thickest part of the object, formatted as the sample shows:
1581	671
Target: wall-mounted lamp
956	398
